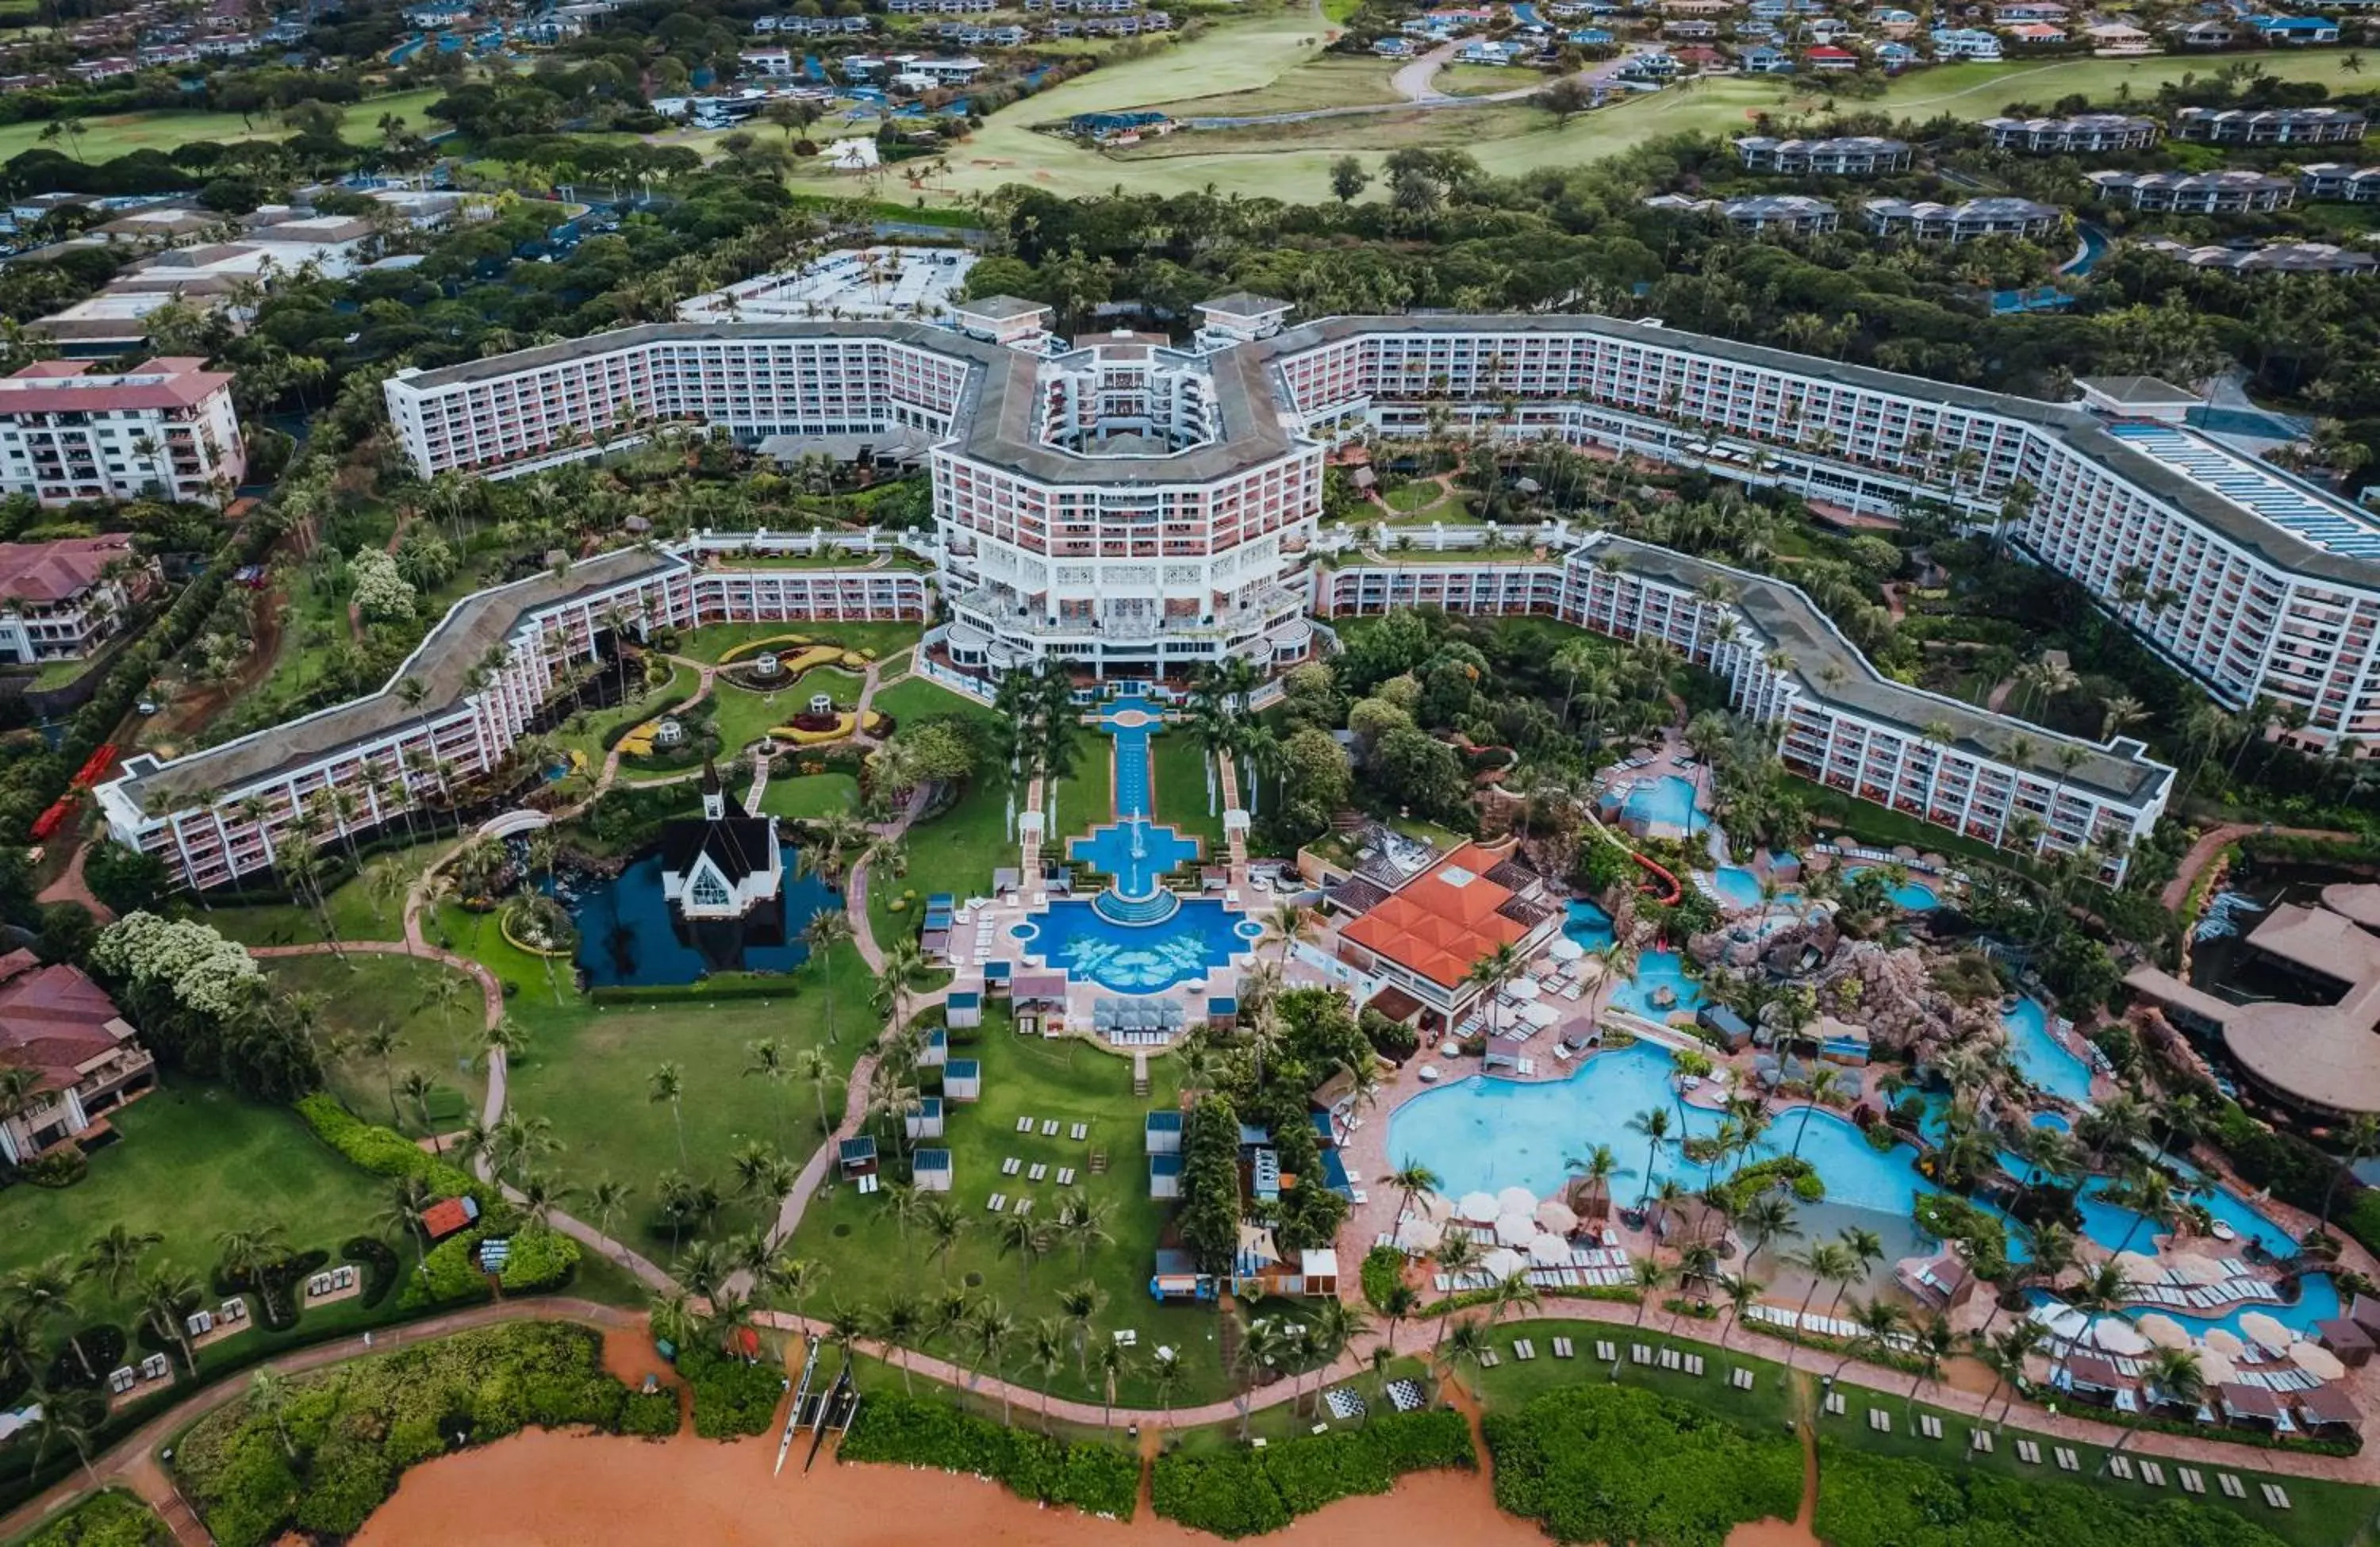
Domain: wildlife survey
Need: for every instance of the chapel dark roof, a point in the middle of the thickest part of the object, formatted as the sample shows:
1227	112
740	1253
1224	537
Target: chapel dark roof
738	844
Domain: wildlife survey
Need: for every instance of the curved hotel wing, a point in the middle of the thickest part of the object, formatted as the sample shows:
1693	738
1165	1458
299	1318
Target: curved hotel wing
1134	506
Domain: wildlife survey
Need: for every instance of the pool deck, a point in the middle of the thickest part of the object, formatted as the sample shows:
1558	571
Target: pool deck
1671	759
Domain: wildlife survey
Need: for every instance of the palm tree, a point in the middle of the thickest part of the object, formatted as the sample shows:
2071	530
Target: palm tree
168	1295
1931	1344
605	1200
1078	1305
1468	1343
1046	1346
1411	1179
1165	1369
382	1043
1649	1277
2004	1354
828	928
1654	1123
766	1059
1768	1218
896	1325
1113	1362
1020	1235
944	1224
797	1278
2175	1381
1084	1221
1826	1262
116	1255
1879	1323
1741	1293
668	1084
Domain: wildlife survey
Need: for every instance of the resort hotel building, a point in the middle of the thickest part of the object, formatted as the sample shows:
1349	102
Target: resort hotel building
1136	509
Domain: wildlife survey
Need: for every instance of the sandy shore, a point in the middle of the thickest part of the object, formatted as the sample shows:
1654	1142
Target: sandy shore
542	1488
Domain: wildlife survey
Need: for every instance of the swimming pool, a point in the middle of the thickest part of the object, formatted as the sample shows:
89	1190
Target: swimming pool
2040	1056
2317	1301
1135	959
1481	1135
1737	887
1655	970
1911	897
1589	925
1664	804
2107	1224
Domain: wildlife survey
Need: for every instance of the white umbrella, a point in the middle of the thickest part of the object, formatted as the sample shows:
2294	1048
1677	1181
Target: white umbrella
1416	1234
1511	1200
1478	1207
2118	1337
1502	1263
1525	988
2265	1332
2215	1367
1549	1252
2223	1340
2062	1321
1432	1206
1516	1229
2164	1331
2316	1361
1564	948
1556	1217
1450	1049
2190	1268
2139	1267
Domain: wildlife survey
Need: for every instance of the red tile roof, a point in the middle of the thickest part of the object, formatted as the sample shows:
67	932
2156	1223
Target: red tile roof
1442	921
54	1019
48	572
165	382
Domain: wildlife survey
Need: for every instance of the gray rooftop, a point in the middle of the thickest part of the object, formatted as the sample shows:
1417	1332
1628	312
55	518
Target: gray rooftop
1241	303
1001	308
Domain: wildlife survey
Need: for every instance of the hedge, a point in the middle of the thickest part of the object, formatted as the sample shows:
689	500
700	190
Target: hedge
346	1434
541	1258
731	1397
1873	1500
113	1519
619	733
1096	1478
386	1153
724	985
450	1275
1251	1491
1622	1464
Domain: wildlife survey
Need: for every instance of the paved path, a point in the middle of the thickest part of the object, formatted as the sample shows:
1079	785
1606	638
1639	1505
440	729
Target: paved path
2211	843
132	1462
70	887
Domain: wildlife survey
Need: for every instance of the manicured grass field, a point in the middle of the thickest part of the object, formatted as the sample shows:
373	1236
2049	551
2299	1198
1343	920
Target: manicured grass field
810	795
1178	765
120	133
916	698
744	716
714	641
585	732
371	907
1479	80
589	1068
1072	1082
442	1032
956	851
2324	1515
1332	80
193	1160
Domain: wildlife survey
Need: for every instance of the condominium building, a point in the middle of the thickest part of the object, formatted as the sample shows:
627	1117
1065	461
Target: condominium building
2340	181
164	429
1860	155
2271	258
1930	222
62	599
1135	506
1792	213
2084	134
2269	125
2233	192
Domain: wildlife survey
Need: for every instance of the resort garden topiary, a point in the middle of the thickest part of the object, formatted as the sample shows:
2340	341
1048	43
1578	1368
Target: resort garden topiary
1874	1501
330	1450
1619	1464
1247	1492
1096	1478
732	1396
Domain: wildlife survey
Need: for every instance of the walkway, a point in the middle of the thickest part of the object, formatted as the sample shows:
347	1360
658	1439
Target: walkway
70	887
2214	839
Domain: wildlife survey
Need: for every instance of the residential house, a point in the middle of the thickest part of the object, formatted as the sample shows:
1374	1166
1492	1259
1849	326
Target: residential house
2270	125
2084	134
2204	35
1859	155
1690	28
60	599
2118	39
1591	37
1965	43
85	1059
2232	192
1894	57
1893	21
1483	50
2295	31
1829	59
2037	34
1999	216
2272	258
1790	214
1766	61
2340	181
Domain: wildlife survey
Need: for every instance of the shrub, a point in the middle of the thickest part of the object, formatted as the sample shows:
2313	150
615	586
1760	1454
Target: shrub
384	1151
650	1415
731	1397
449	1274
540	1259
381	1269
1619	1464
1872	1501
354	1429
1251	1491
111	1520
1384	1269
1096	1478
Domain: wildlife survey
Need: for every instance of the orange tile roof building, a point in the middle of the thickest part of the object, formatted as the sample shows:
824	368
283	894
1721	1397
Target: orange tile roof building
1423	938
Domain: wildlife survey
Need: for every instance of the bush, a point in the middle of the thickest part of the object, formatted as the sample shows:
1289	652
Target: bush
384	1151
1871	1501
1096	1478
356	1428
1251	1491
449	1274
650	1415
1384	1269
111	1520
381	1269
731	1397
62	1168
542	1258
1619	1464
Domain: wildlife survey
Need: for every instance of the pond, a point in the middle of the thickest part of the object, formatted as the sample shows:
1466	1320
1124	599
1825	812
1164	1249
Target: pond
629	934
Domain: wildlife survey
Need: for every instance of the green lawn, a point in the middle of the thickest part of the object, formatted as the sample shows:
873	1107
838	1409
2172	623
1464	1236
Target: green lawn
589	1070
371	907
585	733
810	795
441	1035
1086	797
1178	766
193	1160
956	851
744	716
1329	81
1072	1082
2326	1514
916	698
1479	80
120	133
711	643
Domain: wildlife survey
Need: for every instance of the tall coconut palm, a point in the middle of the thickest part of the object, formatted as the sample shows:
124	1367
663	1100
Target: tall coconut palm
668	1084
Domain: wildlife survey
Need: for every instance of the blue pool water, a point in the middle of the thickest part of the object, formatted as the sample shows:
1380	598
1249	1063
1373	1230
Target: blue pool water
1201	936
1911	897
1481	1135
1133	850
1589	925
2317	1301
1657	970
1666	803
2107	1223
628	932
1737	887
2042	1058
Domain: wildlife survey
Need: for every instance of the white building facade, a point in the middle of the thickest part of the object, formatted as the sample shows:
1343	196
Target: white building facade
165	429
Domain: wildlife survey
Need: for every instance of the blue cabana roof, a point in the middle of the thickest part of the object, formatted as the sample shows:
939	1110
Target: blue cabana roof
1165	1166
962	1069
966	999
1164	1122
1222	1004
997	971
859	1149
931	1159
